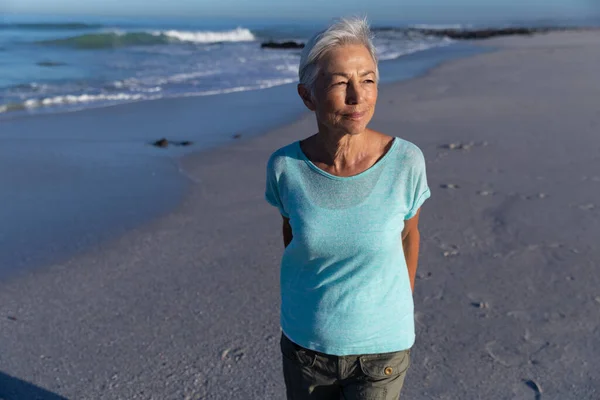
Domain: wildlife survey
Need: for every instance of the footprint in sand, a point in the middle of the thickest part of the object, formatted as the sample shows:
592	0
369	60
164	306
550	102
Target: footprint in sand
424	276
540	195
476	301
503	355
590	178
587	207
234	354
480	304
535	387
451	253
449	186
450	250
458	146
270	338
463	146
486	193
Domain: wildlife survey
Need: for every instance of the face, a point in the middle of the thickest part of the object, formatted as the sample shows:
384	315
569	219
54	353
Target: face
345	90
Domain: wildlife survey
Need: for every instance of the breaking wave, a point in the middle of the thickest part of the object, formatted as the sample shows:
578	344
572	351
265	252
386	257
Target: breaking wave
114	39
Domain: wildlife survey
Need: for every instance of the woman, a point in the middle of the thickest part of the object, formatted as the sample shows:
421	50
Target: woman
350	199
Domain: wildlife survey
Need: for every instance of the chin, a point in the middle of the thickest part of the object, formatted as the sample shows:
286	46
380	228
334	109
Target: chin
352	128
355	132
355	129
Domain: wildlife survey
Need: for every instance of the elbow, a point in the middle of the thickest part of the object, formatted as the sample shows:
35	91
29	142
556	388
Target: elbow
412	235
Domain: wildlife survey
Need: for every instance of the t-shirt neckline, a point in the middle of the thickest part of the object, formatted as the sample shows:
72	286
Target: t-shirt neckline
346	178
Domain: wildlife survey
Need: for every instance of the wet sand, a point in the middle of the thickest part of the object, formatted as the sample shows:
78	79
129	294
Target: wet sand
507	300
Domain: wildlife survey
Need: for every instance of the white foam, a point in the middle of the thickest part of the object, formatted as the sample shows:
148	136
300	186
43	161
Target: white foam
178	78
84	98
156	81
287	68
237	35
261	84
385	53
117	31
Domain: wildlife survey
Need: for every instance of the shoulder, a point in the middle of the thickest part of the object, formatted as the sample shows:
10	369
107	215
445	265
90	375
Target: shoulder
404	148
409	153
278	159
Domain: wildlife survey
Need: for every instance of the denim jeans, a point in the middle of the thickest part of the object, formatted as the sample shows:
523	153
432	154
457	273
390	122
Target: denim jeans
311	375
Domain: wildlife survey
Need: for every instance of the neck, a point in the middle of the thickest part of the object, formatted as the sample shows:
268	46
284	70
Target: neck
342	150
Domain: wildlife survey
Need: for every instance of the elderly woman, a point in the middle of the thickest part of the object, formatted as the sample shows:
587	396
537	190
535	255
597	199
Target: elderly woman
350	199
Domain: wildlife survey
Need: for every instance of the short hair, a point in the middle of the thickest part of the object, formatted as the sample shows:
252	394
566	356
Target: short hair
343	32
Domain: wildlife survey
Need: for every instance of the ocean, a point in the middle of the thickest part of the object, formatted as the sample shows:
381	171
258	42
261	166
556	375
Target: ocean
52	64
62	64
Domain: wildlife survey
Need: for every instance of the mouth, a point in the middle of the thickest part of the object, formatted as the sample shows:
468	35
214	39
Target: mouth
355	115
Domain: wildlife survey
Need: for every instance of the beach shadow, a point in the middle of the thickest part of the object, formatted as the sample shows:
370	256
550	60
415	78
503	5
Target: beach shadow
12	388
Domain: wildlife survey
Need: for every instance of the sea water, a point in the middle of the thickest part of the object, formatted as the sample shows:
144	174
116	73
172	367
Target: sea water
53	64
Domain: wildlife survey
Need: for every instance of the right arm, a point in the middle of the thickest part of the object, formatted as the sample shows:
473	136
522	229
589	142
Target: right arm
287	231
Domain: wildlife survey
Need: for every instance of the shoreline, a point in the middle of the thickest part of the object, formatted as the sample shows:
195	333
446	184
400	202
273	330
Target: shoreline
102	149
505	288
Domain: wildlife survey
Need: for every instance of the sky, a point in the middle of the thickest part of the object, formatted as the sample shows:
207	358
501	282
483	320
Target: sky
410	10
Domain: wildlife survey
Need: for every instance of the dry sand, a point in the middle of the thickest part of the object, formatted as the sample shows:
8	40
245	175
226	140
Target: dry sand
507	296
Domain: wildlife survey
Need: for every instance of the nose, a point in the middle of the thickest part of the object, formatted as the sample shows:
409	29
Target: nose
354	93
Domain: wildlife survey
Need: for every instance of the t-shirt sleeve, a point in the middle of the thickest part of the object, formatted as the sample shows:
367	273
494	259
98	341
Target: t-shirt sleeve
272	190
419	191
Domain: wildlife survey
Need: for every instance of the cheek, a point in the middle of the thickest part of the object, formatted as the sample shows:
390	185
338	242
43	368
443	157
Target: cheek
371	95
332	103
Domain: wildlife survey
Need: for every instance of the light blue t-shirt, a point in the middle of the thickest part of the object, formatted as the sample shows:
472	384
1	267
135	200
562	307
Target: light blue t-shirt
344	282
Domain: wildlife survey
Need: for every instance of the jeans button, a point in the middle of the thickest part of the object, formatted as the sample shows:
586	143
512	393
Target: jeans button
388	371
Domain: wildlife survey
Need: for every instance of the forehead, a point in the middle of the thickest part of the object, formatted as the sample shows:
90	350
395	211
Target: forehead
347	59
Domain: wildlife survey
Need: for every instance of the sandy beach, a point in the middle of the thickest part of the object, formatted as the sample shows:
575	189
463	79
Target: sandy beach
507	298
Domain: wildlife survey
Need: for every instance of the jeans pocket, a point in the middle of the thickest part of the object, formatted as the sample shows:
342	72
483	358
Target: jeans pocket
296	353
384	365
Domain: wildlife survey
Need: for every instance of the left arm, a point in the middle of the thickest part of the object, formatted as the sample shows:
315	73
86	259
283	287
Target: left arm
410	244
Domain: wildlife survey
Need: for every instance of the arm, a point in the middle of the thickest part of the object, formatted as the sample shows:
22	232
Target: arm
287	231
410	244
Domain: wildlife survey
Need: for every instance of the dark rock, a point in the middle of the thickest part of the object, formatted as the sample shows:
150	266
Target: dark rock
237	136
282	45
50	63
161	143
165	143
476	34
483	33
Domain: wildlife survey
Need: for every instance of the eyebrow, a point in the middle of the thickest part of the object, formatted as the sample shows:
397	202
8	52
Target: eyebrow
345	75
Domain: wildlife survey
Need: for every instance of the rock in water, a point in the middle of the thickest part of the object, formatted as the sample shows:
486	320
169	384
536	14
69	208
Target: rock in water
470	34
165	143
161	143
51	63
282	45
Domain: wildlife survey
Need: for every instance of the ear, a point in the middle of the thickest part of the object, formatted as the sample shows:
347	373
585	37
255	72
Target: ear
306	97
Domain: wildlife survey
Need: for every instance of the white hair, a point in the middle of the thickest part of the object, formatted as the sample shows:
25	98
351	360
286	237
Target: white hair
343	32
